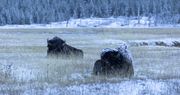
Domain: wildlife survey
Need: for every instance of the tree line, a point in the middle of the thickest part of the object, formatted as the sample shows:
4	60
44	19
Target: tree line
46	11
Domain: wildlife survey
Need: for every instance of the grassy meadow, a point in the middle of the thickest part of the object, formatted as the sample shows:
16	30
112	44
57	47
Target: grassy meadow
25	67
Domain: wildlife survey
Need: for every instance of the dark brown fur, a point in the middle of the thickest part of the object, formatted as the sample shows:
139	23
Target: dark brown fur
58	47
113	63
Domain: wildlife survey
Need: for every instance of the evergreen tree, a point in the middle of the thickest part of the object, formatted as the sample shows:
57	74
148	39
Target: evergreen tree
45	11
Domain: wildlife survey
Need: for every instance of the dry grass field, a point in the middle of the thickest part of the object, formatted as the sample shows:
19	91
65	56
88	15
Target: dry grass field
26	70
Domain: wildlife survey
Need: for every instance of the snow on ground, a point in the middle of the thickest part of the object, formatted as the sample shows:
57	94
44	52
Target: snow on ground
169	42
124	87
127	87
119	22
137	87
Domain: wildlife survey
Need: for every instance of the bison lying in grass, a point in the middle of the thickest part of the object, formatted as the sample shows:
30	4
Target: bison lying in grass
58	47
114	62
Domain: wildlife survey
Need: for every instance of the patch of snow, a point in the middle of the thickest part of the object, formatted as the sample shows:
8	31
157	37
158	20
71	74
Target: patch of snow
144	20
110	41
76	76
121	48
155	42
119	22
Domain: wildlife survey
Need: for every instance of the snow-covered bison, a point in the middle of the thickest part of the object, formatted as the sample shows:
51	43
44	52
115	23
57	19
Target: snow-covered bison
58	47
114	62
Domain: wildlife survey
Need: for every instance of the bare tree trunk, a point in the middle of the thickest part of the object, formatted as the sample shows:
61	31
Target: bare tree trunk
67	22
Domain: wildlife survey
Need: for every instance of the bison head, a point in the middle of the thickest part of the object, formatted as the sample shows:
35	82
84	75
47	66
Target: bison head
54	43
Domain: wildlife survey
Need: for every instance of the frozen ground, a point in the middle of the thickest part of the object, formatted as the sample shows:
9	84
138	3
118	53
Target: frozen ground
125	87
119	22
25	69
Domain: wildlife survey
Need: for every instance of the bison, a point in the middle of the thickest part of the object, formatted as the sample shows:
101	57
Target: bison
58	47
114	62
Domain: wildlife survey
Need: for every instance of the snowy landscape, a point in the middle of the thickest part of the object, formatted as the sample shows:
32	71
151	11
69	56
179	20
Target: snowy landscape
26	70
119	22
149	29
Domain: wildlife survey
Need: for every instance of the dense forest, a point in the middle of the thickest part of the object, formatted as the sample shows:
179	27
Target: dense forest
45	11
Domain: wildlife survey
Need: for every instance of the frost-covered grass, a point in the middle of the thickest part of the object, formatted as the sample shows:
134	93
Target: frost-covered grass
25	69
